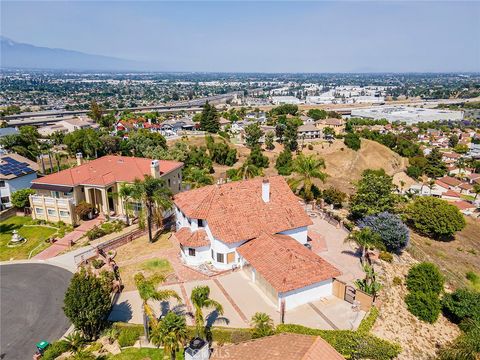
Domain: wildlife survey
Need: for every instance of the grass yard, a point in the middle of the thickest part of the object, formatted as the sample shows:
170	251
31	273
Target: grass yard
455	258
141	247
35	235
139	354
152	268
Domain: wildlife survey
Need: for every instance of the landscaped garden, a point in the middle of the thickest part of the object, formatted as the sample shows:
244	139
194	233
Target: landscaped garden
35	234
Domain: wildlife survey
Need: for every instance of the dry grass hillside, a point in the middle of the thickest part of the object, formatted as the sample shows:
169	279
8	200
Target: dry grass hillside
343	165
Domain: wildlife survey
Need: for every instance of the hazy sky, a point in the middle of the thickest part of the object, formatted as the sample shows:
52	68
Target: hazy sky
287	36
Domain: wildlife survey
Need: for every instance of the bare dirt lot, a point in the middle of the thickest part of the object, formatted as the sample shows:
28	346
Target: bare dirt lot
455	257
343	165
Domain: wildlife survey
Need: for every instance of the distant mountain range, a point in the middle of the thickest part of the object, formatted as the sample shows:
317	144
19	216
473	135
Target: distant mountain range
27	56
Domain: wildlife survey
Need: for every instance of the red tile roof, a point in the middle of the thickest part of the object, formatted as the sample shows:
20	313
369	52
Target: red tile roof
287	346
451	193
463	205
285	263
106	170
450	181
194	239
236	212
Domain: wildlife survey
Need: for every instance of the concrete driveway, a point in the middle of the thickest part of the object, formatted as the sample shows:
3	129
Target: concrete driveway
31	297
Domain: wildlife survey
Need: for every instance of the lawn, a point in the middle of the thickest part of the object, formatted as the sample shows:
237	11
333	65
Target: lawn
139	354
35	235
141	247
152	268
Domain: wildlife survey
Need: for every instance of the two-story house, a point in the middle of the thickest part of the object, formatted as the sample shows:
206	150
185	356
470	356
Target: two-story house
259	226
16	173
97	182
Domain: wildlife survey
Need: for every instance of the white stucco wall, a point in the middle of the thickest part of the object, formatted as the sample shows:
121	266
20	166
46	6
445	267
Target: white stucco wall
202	255
299	234
12	185
305	295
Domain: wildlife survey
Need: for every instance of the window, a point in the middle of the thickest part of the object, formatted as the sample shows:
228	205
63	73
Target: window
52	212
220	258
213	255
200	223
191	252
39	211
5	199
169	182
2	183
67	194
64	214
55	194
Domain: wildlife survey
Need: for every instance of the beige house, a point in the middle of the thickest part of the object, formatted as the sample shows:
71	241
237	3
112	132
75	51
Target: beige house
338	125
97	182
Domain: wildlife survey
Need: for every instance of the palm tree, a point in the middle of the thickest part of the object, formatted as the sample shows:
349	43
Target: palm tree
307	168
171	332
197	177
153	193
126	193
366	238
200	299
75	341
368	284
147	291
476	190
262	325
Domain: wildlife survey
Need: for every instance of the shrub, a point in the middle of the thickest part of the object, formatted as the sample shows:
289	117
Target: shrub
350	344
368	321
284	162
425	277
129	335
97	263
462	304
334	196
424	305
55	350
310	147
397	281
385	256
95	233
434	217
20	198
393	232
352	141
83	209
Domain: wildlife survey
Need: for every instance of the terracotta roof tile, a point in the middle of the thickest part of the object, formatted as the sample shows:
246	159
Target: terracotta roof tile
286	346
285	263
236	212
194	239
450	181
106	170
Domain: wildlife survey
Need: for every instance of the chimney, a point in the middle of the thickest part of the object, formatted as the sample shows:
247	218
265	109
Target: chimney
155	169
79	156
266	190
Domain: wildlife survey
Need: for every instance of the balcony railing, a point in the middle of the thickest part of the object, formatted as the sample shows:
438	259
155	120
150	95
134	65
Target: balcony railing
51	201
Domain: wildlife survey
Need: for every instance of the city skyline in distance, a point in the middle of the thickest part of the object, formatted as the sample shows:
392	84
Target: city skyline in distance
273	37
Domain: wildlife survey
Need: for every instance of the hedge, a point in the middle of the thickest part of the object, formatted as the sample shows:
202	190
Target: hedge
55	350
368	321
128	334
351	344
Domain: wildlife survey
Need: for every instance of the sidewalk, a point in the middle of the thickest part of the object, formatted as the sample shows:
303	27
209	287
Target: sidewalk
72	237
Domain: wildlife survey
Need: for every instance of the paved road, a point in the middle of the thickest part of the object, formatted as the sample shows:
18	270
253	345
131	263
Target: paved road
31	298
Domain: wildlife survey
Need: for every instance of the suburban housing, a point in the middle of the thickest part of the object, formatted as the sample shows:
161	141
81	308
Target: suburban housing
97	182
260	226
16	173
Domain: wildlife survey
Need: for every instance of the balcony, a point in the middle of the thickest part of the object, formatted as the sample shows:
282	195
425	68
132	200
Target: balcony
48	201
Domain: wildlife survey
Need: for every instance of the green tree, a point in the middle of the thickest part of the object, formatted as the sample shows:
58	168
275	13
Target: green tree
156	197
307	168
374	194
20	198
257	158
453	140
200	299
196	177
329	131
334	197
425	277
262	325
209	120
290	135
25	143
269	137
87	303
126	193
366	239
476	190
462	304
352	141
284	162
435	166
434	217
317	114
253	133
425	306
86	141
144	143
96	112
171	332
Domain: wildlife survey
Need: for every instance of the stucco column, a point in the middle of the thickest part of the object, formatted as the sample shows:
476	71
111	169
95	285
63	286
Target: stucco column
105	208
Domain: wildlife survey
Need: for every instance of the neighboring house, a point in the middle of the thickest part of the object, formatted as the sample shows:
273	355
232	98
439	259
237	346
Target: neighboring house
424	190
97	182
451	182
308	131
223	123
68	126
173	127
16	173
338	125
465	207
307	120
286	346
257	225
451	195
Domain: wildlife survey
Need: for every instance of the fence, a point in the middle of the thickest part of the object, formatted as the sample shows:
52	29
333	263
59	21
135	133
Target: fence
350	294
